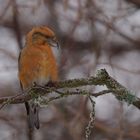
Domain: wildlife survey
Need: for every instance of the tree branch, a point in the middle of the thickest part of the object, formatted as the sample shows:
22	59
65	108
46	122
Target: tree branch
102	78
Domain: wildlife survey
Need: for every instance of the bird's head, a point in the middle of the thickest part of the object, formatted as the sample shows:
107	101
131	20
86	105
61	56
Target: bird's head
42	36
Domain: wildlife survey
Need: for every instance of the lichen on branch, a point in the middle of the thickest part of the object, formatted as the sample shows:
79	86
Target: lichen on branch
102	78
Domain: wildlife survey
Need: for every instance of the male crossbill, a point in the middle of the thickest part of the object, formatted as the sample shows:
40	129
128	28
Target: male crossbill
37	64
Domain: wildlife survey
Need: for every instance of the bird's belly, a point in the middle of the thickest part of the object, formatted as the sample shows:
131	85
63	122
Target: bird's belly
36	73
41	80
41	74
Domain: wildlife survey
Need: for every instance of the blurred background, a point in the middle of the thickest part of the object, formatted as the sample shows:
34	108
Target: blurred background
93	34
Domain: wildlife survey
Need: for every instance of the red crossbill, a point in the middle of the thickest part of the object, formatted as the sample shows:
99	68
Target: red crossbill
37	64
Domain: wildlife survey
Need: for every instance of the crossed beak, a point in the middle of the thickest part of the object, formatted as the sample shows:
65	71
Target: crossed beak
53	43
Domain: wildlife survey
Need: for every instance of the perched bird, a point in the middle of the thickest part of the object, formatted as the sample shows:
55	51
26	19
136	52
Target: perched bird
37	65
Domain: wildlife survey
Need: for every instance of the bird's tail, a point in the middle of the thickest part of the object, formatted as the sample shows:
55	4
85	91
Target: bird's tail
33	114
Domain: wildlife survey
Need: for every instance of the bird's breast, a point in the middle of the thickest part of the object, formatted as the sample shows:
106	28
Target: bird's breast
37	66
